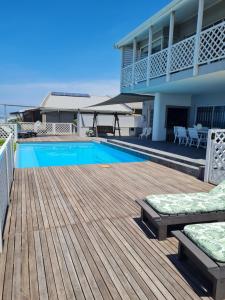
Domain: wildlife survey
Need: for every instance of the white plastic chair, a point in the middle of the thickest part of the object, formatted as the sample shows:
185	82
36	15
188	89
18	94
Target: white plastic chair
175	133
148	132
143	134
182	135
195	138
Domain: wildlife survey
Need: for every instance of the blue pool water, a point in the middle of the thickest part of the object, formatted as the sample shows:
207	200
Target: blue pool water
31	155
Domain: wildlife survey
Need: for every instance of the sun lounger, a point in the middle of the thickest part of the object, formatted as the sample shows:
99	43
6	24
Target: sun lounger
161	213
204	245
26	134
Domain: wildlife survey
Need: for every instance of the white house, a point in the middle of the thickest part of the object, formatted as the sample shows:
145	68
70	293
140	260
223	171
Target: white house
178	55
60	107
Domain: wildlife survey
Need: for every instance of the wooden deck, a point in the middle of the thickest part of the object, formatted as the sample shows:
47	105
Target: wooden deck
73	233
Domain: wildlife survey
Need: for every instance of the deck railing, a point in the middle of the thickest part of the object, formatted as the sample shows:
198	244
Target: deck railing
6	179
212	48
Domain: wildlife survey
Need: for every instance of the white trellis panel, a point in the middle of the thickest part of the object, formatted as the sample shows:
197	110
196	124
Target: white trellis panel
127	76
215	157
140	70
212	45
158	64
7	129
182	55
6	179
49	128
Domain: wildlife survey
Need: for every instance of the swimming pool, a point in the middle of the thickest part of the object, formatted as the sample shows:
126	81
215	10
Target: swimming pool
31	155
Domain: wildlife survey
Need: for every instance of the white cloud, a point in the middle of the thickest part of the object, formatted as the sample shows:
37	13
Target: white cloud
33	93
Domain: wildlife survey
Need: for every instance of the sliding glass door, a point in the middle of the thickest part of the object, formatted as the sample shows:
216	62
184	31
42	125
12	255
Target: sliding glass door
211	116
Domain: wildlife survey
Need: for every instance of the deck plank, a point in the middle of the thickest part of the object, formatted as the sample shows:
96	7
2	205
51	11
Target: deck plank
73	233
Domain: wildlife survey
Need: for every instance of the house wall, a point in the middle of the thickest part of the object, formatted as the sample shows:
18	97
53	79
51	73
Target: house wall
161	102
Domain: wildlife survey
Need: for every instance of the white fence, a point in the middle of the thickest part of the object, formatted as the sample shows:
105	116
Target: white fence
215	156
212	48
6	179
7	129
49	128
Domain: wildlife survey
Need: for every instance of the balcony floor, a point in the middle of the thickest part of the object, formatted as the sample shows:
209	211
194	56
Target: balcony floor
170	149
73	233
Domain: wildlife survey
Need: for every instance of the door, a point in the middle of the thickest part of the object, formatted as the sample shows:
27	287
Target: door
176	116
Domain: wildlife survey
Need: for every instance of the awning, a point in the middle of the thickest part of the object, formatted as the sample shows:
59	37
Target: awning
124	98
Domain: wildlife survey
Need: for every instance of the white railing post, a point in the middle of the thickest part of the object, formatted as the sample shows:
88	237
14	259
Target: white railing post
198	35
170	43
6	175
208	156
15	132
134	60
149	55
53	128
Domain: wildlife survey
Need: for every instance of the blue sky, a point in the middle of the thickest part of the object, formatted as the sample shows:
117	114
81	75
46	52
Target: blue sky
64	45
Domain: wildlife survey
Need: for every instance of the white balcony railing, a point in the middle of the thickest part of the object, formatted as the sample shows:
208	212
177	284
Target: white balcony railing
212	48
158	62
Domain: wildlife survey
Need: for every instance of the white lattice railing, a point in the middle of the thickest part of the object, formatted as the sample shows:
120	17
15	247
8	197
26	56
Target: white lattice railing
212	48
7	129
6	179
49	128
182	55
158	64
140	70
215	156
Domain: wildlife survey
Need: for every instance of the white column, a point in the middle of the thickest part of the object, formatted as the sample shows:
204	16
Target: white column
134	60
121	69
149	55
198	35
158	130
170	43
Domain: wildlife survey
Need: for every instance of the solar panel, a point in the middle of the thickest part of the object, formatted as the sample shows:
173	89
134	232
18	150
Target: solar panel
70	94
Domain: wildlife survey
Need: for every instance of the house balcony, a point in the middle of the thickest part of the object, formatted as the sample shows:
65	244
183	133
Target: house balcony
189	54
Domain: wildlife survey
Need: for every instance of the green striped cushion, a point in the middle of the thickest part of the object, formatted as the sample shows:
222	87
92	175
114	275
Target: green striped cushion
186	203
210	238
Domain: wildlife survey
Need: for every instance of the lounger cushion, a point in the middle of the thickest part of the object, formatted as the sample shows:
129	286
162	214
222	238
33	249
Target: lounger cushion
186	203
219	189
210	238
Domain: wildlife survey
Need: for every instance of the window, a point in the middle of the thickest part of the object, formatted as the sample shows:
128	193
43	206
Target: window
156	47
211	116
204	116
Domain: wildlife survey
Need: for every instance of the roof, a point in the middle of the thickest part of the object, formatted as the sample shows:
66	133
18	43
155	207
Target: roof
165	11
82	102
135	105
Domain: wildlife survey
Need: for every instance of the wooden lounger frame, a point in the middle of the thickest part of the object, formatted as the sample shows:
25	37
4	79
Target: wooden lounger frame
161	223
213	271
